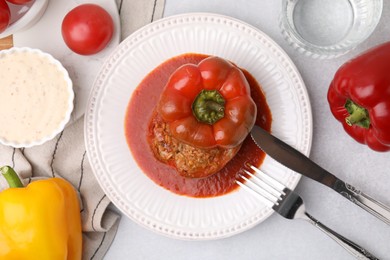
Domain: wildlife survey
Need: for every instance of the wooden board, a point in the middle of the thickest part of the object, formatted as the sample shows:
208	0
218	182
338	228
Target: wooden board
6	43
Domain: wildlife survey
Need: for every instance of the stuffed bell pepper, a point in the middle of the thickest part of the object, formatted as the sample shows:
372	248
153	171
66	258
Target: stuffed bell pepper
204	114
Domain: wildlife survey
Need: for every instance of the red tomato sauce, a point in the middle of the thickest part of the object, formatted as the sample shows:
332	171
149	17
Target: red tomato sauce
139	112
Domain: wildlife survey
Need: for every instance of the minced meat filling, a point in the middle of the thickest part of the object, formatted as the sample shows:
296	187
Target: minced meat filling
189	161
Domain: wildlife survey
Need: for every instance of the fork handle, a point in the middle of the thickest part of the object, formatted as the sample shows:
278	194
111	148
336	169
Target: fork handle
353	248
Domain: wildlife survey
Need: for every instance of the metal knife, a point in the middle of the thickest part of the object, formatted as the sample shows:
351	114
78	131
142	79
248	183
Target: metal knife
296	161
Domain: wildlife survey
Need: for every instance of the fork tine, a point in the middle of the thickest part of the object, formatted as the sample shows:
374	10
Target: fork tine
269	190
260	182
271	181
267	202
263	189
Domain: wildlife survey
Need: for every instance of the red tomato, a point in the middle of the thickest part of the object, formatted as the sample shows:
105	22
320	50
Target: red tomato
19	2
5	15
87	29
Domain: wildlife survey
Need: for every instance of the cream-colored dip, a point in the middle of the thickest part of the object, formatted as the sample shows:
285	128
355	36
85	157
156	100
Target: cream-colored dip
34	97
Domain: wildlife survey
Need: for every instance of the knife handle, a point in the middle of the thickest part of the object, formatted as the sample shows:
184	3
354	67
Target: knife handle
376	208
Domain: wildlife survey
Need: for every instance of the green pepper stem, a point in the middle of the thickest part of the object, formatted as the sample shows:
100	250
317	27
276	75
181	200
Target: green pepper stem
214	106
357	115
209	106
11	177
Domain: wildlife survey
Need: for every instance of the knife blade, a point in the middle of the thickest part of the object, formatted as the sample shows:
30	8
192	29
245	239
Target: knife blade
300	163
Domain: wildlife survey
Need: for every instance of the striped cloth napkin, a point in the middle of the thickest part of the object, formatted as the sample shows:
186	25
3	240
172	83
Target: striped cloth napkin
65	156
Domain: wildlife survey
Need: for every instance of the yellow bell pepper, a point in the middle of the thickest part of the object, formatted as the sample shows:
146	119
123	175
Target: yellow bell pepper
41	221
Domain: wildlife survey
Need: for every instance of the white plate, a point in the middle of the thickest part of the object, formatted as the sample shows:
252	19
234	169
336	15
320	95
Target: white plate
46	36
133	192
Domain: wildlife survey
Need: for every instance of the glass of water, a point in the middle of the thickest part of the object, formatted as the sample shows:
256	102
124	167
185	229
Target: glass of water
326	29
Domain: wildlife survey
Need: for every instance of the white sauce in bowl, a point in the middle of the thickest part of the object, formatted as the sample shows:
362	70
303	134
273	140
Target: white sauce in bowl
36	97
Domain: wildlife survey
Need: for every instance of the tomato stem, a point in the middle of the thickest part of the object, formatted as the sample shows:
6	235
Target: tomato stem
11	177
357	115
209	106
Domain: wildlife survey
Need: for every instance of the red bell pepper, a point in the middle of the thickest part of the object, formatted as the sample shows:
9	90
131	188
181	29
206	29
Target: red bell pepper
208	105
359	97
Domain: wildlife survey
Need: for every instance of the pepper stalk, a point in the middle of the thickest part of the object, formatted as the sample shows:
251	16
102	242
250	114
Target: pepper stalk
357	115
11	177
209	106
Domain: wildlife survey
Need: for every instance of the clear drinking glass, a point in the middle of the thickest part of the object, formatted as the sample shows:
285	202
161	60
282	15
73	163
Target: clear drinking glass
328	28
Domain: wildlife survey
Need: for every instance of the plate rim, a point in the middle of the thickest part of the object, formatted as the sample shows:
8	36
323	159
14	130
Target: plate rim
92	154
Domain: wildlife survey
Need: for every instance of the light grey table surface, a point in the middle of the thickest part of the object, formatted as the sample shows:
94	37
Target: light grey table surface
276	237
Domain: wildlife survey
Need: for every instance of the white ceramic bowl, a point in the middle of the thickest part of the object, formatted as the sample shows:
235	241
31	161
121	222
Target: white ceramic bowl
24	16
36	96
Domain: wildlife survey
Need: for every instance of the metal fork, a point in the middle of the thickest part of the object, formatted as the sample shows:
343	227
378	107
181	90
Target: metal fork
290	205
